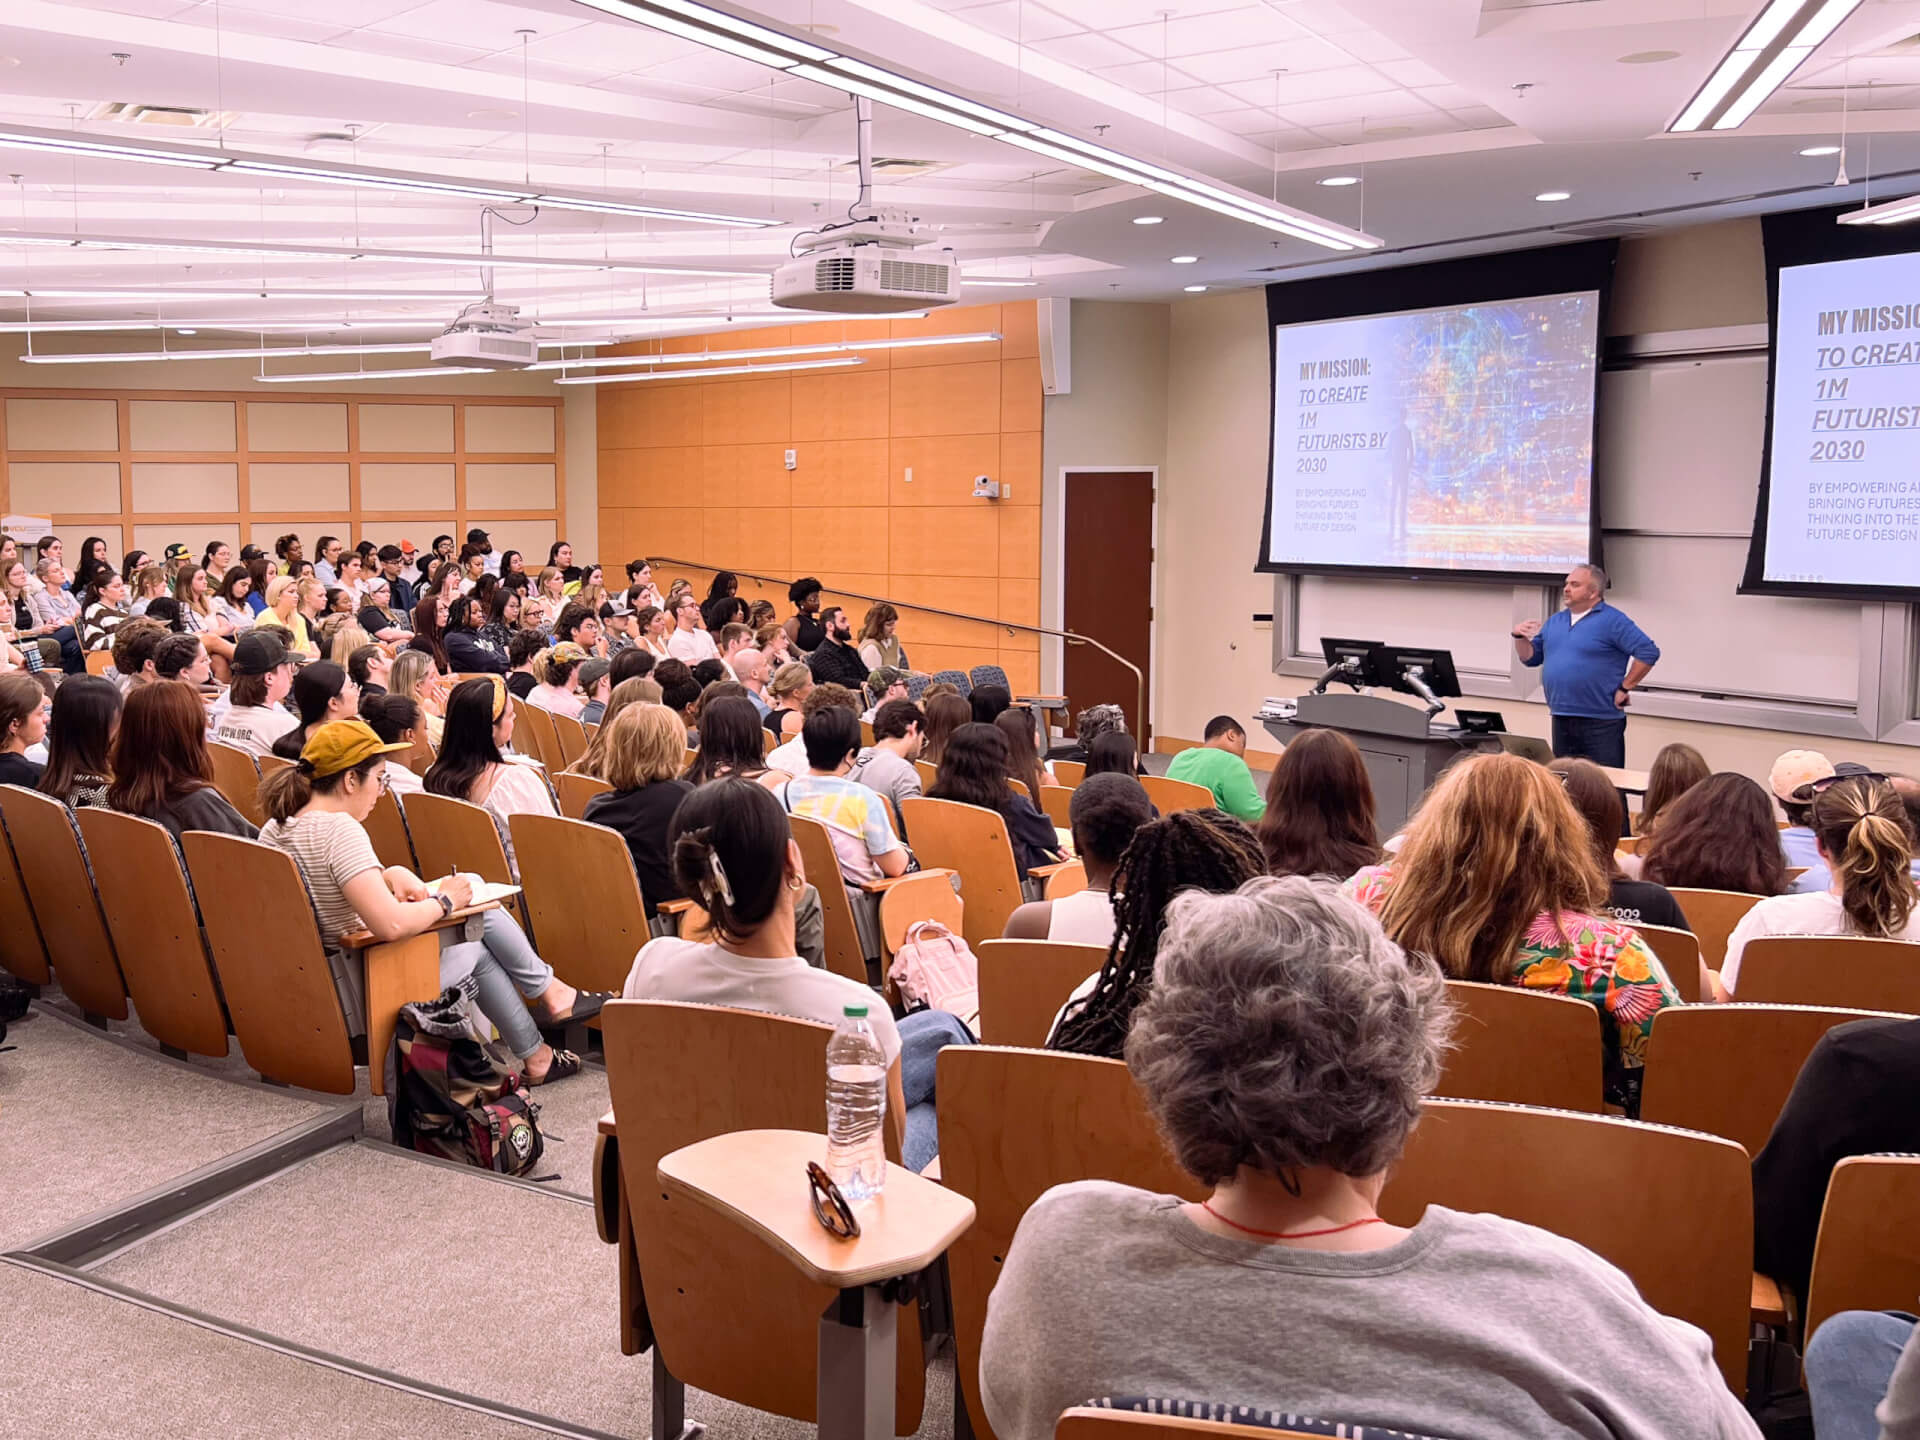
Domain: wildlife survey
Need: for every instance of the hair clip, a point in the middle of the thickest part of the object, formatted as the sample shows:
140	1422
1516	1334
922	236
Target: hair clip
720	876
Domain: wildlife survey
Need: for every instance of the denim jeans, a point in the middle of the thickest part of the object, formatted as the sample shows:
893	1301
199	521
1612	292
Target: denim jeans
505	970
1849	1364
923	1035
73	659
1580	737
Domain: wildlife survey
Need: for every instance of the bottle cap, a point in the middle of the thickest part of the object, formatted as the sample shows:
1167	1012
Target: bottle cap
855	1010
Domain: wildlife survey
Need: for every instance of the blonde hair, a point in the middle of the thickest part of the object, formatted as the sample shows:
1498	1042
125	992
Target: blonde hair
150	582
346	638
412	669
547	572
789	680
635	691
1862	825
280	585
645	745
307	586
1495	846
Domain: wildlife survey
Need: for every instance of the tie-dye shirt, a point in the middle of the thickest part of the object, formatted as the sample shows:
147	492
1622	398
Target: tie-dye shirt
1584	957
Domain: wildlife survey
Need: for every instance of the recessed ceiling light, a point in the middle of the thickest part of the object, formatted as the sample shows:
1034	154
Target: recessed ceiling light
1186	259
1148	219
1335	181
1649	57
1547	197
186	332
493	114
1815	151
1194	289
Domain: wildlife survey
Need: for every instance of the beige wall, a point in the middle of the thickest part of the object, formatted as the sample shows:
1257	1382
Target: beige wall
1214	488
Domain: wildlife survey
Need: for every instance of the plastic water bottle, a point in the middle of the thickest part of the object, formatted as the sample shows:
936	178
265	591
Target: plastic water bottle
856	1107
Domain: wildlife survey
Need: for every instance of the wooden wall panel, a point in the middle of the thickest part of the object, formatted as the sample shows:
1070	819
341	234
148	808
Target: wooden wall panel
389	429
696	469
44	423
273	425
185	487
87	487
298	485
509	430
176	425
521	486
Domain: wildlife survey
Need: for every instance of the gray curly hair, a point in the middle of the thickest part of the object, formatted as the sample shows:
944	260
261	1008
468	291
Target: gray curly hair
1096	720
1285	1030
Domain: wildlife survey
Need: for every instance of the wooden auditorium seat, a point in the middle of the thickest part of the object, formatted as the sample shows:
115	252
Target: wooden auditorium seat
1847	970
972	840
53	869
1711	915
1172	795
1525	1047
1023	984
583	899
574	791
1864	1257
237	777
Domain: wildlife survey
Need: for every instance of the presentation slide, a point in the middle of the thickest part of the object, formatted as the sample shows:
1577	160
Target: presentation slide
1843	501
1455	439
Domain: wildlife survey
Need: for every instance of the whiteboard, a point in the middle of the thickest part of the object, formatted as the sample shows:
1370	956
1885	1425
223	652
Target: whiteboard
1473	621
1678	444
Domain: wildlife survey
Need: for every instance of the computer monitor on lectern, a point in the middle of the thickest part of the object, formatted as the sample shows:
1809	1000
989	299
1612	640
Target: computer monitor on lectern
1397	667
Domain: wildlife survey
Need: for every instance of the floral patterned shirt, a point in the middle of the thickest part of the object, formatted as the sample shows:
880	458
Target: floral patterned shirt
1584	957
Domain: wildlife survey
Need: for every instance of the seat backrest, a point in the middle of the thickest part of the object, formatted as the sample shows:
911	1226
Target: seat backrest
923	895
156	930
956	678
866	732
1849	970
1171	795
1055	801
1020	788
1711	915
1069	772
1864	1257
1629	844
571	737
1069	879
973	840
1525	1047
574	791
1023	984
730	1316
927	771
1728	1069
1013	1124
99	661
1679	952
529	735
270	765
1576	1175
451	834
54	870
387	828
237	777
989	675
278	987
844	955
23	954
583	897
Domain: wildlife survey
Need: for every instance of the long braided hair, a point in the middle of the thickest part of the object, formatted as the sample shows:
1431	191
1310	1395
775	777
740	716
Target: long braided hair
1188	850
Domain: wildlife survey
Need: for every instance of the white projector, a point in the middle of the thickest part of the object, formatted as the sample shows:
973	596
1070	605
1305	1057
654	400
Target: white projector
847	273
487	337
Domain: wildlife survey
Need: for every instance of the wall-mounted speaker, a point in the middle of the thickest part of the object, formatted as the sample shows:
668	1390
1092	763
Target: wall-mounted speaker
1056	347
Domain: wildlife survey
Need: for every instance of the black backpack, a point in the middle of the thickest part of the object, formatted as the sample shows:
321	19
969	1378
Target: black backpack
454	1093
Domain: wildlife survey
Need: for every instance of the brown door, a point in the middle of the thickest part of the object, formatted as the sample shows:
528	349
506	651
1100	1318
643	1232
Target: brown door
1109	592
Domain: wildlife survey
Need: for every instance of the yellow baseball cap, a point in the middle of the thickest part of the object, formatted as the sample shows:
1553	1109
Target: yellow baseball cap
341	745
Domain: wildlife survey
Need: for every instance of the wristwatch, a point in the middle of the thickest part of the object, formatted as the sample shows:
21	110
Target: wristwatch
446	904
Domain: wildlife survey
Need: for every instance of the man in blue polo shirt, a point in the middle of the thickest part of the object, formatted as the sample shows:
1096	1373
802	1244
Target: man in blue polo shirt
1592	656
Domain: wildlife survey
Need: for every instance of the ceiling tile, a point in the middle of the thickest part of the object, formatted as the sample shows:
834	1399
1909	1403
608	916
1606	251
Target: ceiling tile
345	13
281	27
1351	80
1019	21
720	72
407	47
1296	58
1111	14
1087	50
612	47
1149	77
1223	30
480	24
1205	100
1412	73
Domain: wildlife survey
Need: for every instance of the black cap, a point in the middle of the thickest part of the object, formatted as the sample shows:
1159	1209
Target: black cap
257	652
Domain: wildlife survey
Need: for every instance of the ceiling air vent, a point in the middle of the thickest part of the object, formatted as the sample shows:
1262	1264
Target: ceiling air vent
835	273
170	117
898	167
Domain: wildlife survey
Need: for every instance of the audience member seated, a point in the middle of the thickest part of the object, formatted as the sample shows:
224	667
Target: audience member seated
680	693
559	688
397	721
523	654
431	617
881	686
945	714
134	646
1319	817
1114	753
467	653
16	598
184	657
987	703
1497	880
470	766
749	667
1676	769
690	642
1597	802
642	748
105	607
734	855
787	692
790	757
580	624
86	712
317	812
595	679
730	742
640	691
1024	764
652	626
148	585
199	617
414	676
973	771
322	693
1792	779
1720	835
886	766
879	644
56	613
262	678
1221	765
281	617
1106	811
803	628
1283	1053
709	673
835	660
1863	1376
24	710
160	766
1860	829
856	818
371	668
230	600
1088	726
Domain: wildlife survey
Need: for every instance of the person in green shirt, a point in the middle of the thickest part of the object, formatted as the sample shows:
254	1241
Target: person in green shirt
1221	766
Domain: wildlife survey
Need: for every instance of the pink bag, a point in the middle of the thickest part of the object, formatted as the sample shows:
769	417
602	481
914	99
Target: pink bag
934	968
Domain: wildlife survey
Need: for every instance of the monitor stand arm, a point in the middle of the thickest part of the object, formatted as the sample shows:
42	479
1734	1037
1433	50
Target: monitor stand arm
1346	670
1415	675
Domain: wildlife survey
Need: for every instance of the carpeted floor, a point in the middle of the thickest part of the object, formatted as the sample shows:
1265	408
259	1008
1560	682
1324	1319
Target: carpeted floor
93	1364
87	1123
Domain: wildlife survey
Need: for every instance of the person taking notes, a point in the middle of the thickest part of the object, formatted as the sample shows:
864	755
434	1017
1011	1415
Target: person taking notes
1591	657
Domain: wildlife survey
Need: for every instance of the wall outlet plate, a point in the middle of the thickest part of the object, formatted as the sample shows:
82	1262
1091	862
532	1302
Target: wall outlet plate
793	459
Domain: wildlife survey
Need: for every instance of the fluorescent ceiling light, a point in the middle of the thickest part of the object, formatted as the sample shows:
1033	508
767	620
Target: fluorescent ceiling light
718	370
257	352
434	370
1193	289
1783	35
1186	259
463	259
1148	219
272	292
831	347
150	152
1887	212
1335	182
796	57
1815	151
1549	197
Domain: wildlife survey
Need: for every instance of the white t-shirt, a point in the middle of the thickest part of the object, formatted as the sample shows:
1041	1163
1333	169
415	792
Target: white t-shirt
789	757
692	646
516	790
703	973
1083	918
253	728
1819	914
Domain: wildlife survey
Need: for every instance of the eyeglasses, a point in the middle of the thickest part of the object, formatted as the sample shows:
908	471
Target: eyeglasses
386	780
830	1207
1806	792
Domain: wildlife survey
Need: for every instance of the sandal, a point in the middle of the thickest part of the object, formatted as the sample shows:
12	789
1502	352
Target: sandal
586	1005
565	1063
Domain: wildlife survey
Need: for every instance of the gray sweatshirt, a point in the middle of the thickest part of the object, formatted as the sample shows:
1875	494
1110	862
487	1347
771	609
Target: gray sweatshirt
1472	1326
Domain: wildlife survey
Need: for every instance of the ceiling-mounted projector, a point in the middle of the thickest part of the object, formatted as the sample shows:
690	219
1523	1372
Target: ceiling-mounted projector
487	336
868	267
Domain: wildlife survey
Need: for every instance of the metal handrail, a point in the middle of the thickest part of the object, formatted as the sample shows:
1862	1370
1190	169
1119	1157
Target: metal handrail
1010	626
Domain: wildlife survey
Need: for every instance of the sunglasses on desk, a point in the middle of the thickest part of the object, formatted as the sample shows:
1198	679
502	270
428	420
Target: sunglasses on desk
830	1206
